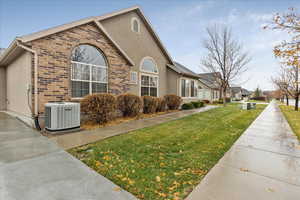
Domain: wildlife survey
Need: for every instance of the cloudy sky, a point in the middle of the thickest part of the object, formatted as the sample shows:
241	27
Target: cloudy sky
179	24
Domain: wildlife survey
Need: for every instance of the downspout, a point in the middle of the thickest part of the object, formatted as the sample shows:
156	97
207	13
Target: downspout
36	113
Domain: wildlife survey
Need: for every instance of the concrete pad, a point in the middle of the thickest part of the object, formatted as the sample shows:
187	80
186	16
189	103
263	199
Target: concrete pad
280	167
227	183
56	176
14	135
21	149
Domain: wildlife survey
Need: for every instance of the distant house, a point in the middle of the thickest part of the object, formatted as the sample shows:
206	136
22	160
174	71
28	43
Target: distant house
236	92
212	90
2	51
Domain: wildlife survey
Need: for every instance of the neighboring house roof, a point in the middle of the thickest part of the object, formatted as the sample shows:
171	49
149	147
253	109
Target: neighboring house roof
245	92
236	89
97	20
180	69
210	79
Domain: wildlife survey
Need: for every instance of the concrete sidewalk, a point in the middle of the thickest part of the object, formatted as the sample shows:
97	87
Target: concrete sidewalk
263	164
76	139
34	168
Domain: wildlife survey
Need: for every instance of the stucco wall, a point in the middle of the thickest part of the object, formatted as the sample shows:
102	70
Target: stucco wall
18	79
2	88
138	46
173	82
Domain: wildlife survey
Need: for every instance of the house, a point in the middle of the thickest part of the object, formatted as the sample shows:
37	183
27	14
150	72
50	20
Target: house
117	53
188	84
236	92
212	90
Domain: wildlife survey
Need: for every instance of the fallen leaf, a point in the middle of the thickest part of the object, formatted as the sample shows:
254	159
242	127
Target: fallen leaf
117	189
157	178
270	190
244	170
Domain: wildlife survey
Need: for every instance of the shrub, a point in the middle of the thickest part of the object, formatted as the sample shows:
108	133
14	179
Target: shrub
173	101
162	106
206	101
197	104
150	104
259	98
129	104
187	106
100	107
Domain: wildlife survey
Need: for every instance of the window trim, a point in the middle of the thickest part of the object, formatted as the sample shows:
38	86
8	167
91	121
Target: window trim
132	25
142	61
190	88
137	78
150	75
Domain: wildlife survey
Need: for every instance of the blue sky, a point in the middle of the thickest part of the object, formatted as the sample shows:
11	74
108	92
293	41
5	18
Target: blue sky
179	24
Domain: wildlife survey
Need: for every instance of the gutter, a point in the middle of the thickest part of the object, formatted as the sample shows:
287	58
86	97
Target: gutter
35	114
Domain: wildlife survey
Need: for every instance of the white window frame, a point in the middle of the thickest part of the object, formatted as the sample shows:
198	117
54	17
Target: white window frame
150	75
132	25
90	81
136	75
190	88
141	64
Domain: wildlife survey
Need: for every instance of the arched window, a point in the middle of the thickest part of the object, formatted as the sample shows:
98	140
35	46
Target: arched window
135	25
148	65
88	71
149	79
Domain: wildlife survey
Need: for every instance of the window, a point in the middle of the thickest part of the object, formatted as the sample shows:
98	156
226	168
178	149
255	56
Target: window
135	25
133	77
149	85
88	71
189	88
148	65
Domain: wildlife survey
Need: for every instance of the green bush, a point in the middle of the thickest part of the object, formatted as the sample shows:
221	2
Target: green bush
100	107
197	104
173	101
150	104
162	106
187	106
129	104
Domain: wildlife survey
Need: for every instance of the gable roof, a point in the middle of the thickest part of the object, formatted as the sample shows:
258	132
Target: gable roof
97	20
210	79
181	69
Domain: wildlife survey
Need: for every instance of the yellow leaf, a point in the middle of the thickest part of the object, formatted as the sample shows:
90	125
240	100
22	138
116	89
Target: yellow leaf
157	178
117	189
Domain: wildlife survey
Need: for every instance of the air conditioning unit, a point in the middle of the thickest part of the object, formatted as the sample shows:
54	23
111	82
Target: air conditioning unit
62	116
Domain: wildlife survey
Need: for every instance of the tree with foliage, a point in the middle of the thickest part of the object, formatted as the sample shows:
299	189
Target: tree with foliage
225	57
257	92
289	51
288	84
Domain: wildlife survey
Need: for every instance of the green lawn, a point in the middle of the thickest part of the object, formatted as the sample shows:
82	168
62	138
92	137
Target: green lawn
293	117
167	161
257	101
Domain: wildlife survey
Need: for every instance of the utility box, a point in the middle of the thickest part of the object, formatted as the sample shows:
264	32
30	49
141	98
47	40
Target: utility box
62	116
246	106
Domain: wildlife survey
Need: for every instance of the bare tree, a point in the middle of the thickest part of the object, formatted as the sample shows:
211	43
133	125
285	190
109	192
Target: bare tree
225	57
288	83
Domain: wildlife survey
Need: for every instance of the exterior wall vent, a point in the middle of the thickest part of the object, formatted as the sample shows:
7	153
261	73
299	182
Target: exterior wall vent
62	116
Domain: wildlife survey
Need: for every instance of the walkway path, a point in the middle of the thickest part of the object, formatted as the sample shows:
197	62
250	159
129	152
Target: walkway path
34	168
71	140
263	164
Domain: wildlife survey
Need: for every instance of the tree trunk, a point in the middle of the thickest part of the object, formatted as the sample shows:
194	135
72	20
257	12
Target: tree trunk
287	99
224	97
296	102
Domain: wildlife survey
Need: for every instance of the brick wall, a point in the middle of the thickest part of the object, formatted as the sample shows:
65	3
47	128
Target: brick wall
54	53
